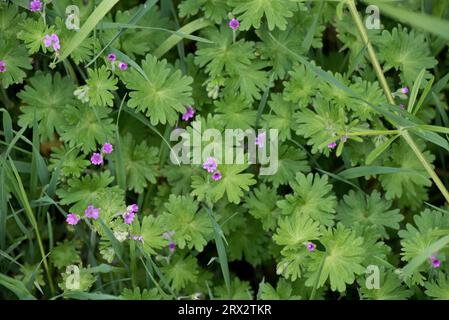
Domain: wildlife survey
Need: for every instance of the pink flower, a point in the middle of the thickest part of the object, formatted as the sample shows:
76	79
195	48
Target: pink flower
260	140
2	66
190	113
122	65
311	246
210	164
435	262
133	208
404	90
96	159
138	238
332	145
216	176
92	212
52	40
112	57
171	247
107	148
234	24
72	219
128	217
35	5
402	106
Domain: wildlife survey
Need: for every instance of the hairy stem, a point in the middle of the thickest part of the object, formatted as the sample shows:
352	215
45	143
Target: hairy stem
381	77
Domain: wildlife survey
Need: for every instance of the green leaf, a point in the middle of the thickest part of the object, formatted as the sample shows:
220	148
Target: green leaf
370	210
250	12
47	97
192	227
140	162
16	61
312	197
100	87
233	183
166	92
342	259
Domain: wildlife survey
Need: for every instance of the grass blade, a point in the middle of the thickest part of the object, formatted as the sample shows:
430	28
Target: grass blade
218	233
189	28
91	22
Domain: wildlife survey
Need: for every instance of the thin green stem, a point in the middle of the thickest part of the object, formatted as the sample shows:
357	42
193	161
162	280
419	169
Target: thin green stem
371	53
381	77
372	132
426	165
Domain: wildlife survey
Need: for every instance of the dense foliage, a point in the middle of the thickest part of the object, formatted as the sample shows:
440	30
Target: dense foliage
88	188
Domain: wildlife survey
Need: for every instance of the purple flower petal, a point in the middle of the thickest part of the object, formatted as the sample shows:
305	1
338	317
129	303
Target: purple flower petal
92	212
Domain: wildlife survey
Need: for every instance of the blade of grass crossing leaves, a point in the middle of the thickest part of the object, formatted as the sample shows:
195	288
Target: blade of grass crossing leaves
113	25
307	42
429	23
189	28
424	255
373	155
218	233
91	22
16	286
415	90
134	20
23	199
358	172
424	95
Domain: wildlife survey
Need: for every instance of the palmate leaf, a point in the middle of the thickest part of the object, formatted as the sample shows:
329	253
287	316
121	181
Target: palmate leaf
240	290
261	204
141	163
429	227
302	85
181	271
281	117
248	243
249	81
405	51
87	126
192	227
162	94
48	97
17	61
390	288
283	291
320	125
233	183
291	161
342	259
136	294
438	289
73	163
151	231
296	230
235	112
370	210
215	10
93	190
101	85
250	12
312	197
33	33
223	55
10	19
409	186
66	253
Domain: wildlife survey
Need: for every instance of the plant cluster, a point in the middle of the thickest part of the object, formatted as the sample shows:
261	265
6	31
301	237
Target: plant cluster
92	207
